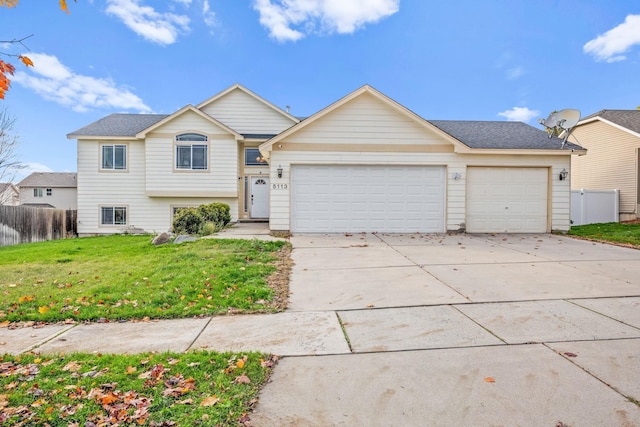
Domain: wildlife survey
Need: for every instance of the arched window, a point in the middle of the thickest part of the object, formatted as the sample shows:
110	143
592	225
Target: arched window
189	154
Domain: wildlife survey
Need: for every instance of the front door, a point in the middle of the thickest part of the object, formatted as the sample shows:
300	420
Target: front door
259	197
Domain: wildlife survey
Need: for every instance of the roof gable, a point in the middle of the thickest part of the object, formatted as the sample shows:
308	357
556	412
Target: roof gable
626	120
246	112
343	105
182	112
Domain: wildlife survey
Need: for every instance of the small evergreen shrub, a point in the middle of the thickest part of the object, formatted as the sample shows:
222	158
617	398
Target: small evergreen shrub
203	220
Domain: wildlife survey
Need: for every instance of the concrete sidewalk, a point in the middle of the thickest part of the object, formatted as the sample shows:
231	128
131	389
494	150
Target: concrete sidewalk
423	330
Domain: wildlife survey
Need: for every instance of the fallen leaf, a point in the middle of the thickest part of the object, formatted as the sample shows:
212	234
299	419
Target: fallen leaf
210	401
489	380
43	309
242	379
569	354
240	364
131	369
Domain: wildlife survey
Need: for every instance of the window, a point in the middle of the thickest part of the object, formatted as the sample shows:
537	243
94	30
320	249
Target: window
113	215
252	157
114	157
191	156
49	191
37	192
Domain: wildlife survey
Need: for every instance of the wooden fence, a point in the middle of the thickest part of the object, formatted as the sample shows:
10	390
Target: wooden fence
22	224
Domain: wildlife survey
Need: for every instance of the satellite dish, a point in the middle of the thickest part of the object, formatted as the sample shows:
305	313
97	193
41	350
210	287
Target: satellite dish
564	120
567	119
551	121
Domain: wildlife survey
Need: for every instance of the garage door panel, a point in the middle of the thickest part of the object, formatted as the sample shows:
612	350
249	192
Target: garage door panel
367	198
507	200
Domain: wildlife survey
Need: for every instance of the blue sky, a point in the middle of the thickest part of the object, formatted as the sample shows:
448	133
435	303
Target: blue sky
458	60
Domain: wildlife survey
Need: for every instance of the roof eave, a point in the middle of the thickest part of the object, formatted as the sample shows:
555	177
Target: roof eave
528	151
101	137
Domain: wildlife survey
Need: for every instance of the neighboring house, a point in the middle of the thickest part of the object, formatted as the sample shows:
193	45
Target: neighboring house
9	194
49	190
613	140
364	163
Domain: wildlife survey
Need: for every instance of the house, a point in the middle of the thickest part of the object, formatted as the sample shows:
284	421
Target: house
49	190
9	194
364	163
613	140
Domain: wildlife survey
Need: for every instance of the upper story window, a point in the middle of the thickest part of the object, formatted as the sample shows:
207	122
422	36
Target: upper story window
189	154
49	191
252	157
114	157
37	192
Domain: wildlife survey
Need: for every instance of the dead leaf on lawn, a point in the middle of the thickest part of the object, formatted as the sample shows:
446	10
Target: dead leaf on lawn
210	401
242	379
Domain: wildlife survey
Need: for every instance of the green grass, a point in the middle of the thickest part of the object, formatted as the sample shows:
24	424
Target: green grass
126	277
168	389
613	232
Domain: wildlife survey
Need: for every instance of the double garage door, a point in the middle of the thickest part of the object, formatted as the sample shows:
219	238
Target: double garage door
405	199
393	199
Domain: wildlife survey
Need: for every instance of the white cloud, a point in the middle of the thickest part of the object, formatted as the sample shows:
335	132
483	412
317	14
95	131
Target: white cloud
515	72
208	15
519	114
291	20
611	45
56	82
161	28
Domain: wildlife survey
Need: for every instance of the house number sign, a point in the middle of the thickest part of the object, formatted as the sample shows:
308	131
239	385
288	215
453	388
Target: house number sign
280	186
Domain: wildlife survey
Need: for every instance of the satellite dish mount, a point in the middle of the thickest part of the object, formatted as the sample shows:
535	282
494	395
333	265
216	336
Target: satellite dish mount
561	122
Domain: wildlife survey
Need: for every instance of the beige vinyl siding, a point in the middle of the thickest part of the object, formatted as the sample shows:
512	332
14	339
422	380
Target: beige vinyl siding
246	114
610	162
366	120
126	188
163	179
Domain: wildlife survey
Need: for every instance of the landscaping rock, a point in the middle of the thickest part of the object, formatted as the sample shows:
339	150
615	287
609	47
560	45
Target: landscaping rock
160	239
184	238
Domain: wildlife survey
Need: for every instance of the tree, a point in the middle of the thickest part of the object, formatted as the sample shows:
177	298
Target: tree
9	143
7	69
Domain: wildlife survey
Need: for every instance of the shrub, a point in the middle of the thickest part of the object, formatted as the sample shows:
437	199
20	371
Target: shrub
217	213
203	220
188	221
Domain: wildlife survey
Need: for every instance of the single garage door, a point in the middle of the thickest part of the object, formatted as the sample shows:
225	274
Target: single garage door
507	200
329	199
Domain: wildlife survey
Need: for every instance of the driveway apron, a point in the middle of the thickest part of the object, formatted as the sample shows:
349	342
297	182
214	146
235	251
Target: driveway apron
526	330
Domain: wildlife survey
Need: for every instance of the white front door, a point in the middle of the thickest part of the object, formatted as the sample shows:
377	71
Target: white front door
259	197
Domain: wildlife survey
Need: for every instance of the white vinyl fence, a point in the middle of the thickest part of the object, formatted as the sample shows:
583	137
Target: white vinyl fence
594	206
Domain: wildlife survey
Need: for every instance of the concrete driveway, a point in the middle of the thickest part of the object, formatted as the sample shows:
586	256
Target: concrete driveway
530	330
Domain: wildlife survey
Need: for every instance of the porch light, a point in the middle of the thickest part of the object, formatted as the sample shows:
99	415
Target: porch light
279	170
563	175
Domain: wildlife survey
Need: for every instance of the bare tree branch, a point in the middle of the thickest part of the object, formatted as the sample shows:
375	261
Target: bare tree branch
9	144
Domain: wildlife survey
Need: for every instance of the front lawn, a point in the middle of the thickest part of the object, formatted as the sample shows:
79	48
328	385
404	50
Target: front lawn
126	277
161	390
612	232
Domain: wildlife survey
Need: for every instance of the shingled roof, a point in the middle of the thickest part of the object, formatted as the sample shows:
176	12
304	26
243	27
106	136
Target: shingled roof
119	125
501	135
50	179
629	119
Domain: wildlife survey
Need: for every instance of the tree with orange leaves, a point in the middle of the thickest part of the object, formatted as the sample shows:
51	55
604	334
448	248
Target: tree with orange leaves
6	68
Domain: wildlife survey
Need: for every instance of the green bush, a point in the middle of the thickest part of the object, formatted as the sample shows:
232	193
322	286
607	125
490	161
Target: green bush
218	213
188	221
203	220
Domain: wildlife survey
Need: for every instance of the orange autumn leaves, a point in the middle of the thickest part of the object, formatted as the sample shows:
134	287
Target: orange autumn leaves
7	69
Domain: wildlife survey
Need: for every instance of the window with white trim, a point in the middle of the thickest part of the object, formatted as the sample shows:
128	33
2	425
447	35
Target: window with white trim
252	157
191	156
37	192
113	215
114	157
